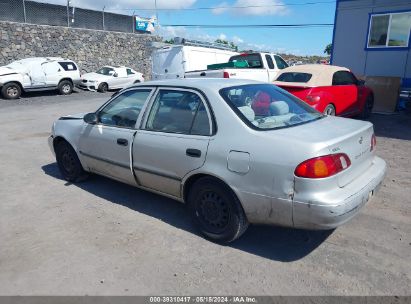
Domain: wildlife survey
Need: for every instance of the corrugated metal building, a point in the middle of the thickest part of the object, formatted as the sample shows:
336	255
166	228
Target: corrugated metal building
372	37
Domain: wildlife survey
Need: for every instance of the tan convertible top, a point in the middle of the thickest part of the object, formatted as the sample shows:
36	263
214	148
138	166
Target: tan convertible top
322	75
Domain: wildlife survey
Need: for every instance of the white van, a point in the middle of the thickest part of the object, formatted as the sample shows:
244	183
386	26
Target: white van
171	62
38	74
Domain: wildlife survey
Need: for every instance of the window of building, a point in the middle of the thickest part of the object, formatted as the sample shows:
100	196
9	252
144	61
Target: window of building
389	30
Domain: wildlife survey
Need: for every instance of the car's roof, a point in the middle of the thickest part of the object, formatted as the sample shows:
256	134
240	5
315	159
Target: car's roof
200	83
322	74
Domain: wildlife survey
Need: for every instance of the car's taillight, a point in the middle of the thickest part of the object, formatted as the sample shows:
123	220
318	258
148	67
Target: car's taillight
373	142
313	98
323	166
226	75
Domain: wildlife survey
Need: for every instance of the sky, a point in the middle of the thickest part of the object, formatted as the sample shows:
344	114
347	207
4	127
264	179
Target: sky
298	41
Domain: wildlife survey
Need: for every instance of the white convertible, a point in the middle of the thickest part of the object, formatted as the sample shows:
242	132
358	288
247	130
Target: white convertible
110	77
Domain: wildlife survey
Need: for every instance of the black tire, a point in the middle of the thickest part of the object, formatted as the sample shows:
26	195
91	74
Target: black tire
65	87
137	81
68	163
103	87
216	210
329	110
11	90
366	111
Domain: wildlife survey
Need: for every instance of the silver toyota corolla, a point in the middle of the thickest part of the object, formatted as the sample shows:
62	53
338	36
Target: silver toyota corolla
236	151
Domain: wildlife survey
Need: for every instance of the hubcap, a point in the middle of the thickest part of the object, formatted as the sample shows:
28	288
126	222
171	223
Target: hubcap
329	111
12	91
213	211
66	88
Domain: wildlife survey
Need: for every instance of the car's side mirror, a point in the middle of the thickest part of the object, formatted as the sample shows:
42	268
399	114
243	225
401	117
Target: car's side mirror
361	82
90	118
115	75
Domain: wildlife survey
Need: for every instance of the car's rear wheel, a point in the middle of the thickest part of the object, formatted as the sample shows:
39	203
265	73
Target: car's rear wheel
103	87
216	210
366	111
11	91
65	87
137	81
68	163
329	110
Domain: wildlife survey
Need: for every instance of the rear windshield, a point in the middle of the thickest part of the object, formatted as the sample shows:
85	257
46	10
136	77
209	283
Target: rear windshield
253	60
294	77
266	107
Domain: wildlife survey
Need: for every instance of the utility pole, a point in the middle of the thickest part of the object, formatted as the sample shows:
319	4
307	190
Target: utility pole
104	25
68	13
24	11
134	20
155	5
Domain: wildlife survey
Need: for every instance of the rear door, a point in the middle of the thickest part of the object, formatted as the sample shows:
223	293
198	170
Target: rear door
345	93
272	71
173	140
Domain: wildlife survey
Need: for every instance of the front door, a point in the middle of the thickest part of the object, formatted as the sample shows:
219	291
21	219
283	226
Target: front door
173	140
345	92
106	146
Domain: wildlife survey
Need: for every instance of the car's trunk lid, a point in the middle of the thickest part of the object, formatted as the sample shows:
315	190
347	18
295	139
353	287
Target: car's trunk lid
331	135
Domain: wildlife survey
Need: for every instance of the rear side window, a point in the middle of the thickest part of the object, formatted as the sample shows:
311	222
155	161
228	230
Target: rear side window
253	60
294	77
280	62
181	112
270	62
68	66
130	72
343	78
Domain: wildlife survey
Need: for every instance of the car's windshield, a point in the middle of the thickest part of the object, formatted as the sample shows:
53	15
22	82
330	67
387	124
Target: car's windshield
265	106
105	71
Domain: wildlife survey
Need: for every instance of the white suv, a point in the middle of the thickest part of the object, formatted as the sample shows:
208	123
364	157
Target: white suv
38	74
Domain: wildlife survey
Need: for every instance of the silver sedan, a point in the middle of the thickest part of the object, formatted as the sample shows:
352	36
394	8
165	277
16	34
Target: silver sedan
236	151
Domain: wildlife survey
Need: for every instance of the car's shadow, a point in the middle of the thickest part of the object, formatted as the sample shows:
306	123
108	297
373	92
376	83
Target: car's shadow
276	243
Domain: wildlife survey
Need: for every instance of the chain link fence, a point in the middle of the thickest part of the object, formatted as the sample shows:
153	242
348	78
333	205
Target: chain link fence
35	12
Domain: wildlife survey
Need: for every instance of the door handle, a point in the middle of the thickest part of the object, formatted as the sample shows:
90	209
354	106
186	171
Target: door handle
122	141
193	152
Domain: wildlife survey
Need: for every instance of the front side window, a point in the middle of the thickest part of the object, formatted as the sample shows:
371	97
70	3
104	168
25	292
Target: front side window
180	112
389	30
253	60
123	111
266	107
294	77
280	62
344	78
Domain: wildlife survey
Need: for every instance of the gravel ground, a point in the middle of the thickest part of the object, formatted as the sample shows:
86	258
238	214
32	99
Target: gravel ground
102	237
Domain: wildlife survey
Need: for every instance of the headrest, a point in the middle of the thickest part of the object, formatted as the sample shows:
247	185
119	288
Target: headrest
279	108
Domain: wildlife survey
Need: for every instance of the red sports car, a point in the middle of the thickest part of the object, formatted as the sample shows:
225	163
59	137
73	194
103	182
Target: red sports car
330	89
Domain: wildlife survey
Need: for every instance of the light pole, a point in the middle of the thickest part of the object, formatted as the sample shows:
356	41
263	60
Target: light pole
104	25
68	13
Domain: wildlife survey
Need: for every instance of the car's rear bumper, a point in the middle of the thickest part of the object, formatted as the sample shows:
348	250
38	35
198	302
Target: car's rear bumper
350	199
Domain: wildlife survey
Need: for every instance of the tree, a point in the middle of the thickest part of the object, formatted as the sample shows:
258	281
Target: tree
228	43
169	41
328	49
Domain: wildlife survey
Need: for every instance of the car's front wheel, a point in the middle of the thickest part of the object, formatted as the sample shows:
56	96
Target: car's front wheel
216	210
103	87
68	163
65	87
11	91
329	110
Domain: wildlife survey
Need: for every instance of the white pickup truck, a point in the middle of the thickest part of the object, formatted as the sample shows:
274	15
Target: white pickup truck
256	66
